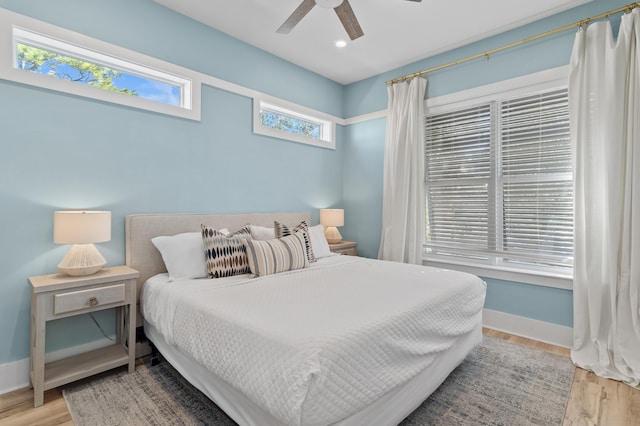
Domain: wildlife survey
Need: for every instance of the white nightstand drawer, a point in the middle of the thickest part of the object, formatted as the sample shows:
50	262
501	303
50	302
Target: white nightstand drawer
84	299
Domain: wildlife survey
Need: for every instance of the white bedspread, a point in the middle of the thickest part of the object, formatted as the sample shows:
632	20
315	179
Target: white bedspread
313	346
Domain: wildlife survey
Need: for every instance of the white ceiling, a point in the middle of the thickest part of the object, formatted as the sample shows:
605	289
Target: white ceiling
396	32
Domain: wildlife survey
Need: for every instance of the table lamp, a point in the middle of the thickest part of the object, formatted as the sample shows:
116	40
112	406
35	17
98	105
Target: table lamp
81	228
331	218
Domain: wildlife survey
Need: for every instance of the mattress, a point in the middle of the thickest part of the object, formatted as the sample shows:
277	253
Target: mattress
315	346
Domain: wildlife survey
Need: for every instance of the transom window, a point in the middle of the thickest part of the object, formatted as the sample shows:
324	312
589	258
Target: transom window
64	61
44	55
293	123
498	184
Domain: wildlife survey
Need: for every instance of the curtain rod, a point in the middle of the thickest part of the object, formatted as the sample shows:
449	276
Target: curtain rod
486	54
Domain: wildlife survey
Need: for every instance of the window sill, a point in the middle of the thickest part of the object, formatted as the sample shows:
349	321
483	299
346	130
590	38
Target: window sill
506	274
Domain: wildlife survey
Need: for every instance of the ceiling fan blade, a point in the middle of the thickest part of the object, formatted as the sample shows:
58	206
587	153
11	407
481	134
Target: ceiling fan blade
415	0
297	15
349	21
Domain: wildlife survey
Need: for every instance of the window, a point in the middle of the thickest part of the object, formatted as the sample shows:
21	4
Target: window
66	62
293	123
498	184
47	56
273	119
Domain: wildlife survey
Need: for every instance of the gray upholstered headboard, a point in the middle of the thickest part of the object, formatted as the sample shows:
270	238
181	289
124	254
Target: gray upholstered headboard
142	255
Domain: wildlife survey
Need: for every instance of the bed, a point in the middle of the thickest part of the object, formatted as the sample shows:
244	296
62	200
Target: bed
344	341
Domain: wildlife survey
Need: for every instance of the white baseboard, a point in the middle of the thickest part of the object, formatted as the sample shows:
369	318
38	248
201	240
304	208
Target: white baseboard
541	331
15	375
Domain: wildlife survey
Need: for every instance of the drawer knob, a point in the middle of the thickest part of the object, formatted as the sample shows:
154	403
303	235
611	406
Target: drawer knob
93	301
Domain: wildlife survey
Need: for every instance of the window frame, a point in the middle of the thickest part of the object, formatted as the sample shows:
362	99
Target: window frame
16	28
547	80
327	123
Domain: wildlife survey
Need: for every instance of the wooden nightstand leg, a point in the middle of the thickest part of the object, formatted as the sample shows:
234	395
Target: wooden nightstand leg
119	325
130	322
37	351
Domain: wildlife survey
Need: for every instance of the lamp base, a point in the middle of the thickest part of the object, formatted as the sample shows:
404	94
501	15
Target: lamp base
81	260
332	235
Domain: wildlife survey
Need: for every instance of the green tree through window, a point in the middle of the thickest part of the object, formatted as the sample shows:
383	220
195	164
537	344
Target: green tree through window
67	68
289	124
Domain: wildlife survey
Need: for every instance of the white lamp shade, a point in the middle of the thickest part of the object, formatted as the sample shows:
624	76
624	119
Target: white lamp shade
81	227
332	217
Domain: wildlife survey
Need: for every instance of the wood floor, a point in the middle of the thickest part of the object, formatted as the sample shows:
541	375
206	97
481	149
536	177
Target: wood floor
593	400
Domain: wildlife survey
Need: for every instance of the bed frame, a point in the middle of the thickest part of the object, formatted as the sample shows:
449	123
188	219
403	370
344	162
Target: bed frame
141	255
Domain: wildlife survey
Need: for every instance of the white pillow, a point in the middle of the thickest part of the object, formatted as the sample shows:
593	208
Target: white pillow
262	233
319	241
183	255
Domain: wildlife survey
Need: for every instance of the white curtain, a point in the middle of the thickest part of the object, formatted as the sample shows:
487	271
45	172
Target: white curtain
403	193
604	99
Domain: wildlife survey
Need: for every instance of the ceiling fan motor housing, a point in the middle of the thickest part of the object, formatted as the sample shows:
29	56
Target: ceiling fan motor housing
329	4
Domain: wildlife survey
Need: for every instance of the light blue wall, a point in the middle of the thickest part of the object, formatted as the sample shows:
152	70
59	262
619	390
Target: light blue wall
59	151
548	304
365	141
364	161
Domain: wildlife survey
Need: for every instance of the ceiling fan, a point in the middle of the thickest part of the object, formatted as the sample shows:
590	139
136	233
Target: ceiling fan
342	8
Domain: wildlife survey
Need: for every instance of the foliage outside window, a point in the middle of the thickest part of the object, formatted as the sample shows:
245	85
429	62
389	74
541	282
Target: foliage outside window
66	68
498	184
289	124
70	68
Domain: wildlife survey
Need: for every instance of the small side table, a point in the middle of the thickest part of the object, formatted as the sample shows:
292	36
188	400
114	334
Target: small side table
58	296
350	248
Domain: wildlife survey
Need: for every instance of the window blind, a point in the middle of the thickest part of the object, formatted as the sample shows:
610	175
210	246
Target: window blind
458	170
536	180
498	182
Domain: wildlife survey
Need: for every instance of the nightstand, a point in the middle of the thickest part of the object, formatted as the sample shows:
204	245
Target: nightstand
58	296
345	247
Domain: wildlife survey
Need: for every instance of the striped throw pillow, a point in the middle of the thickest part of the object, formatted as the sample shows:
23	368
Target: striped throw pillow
225	254
283	230
277	255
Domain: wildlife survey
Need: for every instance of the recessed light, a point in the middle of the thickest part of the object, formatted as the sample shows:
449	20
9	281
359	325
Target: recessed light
341	43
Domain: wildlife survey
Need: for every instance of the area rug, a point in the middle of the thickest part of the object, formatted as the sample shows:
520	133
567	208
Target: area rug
499	383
